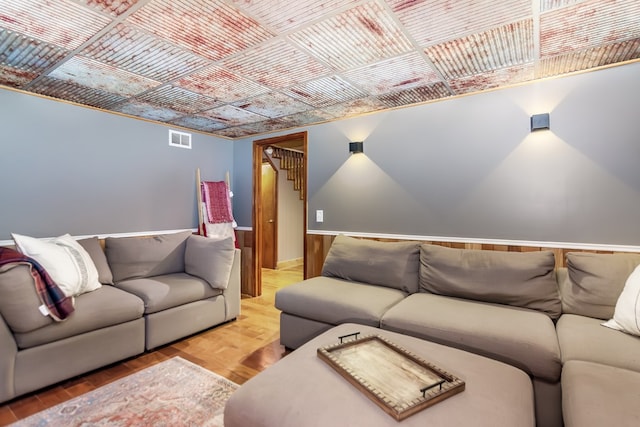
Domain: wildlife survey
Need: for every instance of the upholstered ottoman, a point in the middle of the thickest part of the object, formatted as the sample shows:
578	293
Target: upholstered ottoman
599	395
302	390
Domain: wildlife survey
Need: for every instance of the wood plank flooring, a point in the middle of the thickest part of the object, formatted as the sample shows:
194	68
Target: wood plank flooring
237	350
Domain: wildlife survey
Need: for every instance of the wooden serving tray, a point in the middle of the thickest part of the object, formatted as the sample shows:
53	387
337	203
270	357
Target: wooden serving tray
400	383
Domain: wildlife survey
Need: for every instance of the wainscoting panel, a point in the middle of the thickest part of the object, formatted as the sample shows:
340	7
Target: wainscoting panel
318	247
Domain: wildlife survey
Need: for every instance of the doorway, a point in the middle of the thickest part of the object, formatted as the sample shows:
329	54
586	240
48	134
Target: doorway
269	217
291	150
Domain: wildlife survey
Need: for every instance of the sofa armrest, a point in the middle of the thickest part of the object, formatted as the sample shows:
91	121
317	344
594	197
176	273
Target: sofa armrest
7	362
232	293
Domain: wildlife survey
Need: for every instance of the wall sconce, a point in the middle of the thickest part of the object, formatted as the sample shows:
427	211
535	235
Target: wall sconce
539	122
356	147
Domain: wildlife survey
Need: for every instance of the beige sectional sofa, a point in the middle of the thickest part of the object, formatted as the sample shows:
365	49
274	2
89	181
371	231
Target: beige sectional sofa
516	308
153	291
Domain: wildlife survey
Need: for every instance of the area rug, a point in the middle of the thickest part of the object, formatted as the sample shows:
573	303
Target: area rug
175	392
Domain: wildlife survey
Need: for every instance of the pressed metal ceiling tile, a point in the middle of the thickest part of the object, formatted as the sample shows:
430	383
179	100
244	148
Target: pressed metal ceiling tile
309	117
221	84
588	24
210	28
112	7
355	107
590	58
493	79
276	65
554	4
96	75
325	91
266	126
178	99
403	72
203	124
27	54
416	95
232	116
140	53
273	104
60	22
436	21
14	77
148	111
75	93
501	47
356	37
235	132
285	15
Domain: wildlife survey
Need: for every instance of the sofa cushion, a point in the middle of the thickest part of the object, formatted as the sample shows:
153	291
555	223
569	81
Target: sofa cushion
136	257
68	264
335	301
584	338
595	395
95	251
595	282
521	279
169	290
522	338
210	259
19	300
99	309
390	264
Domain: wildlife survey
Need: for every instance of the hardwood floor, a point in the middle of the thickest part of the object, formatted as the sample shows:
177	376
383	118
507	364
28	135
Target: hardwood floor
237	350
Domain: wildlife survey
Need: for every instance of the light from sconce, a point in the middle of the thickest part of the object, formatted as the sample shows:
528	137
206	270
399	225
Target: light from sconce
356	147
539	122
269	150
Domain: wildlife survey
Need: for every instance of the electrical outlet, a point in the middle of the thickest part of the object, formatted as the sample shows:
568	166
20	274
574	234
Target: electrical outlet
319	215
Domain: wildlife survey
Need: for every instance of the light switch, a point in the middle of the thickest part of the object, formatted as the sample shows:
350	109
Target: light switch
319	215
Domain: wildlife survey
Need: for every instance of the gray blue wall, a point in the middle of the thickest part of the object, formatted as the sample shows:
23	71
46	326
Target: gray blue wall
68	169
470	168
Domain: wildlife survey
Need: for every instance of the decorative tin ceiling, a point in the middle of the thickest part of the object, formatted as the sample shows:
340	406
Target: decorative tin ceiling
235	68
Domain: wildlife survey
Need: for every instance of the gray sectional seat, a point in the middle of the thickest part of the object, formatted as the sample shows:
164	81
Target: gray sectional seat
517	308
154	290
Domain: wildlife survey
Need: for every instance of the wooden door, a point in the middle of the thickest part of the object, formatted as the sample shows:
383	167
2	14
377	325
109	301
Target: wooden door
269	198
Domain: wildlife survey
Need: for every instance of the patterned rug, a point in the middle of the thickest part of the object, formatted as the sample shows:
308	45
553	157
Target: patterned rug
175	392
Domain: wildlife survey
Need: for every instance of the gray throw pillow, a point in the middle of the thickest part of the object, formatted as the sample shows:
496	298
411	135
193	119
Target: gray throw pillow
520	279
389	264
95	251
595	282
210	260
137	257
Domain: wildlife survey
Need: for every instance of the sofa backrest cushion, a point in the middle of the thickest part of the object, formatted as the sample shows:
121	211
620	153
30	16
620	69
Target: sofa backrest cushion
19	300
520	279
137	257
595	282
210	259
95	251
390	264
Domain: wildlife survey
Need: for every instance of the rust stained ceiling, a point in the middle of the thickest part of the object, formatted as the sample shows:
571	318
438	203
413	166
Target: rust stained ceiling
235	68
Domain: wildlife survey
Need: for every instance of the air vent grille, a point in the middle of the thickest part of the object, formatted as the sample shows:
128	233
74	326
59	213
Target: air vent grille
179	139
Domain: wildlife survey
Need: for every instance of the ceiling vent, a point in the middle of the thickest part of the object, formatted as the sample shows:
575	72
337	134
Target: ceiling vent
179	139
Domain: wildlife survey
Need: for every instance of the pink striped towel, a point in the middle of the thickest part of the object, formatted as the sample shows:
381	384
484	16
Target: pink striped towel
215	196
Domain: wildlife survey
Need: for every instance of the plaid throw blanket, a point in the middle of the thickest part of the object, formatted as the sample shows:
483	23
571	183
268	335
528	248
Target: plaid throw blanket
59	305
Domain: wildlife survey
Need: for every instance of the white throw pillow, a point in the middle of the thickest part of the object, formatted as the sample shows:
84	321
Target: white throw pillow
626	317
68	263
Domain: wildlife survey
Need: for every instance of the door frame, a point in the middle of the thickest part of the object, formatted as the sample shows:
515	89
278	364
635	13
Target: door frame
258	146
